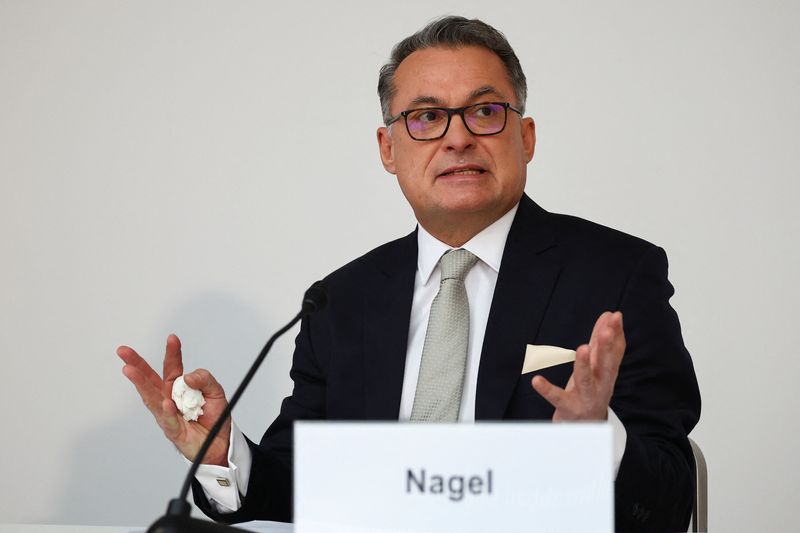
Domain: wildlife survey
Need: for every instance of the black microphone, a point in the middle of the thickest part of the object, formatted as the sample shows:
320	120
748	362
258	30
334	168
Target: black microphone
315	299
177	519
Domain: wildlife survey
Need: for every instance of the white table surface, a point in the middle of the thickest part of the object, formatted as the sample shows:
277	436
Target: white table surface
258	527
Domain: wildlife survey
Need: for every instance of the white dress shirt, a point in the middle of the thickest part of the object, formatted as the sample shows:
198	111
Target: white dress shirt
487	246
480	281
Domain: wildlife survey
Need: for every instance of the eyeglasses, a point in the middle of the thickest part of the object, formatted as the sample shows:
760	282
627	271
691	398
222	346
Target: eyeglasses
430	123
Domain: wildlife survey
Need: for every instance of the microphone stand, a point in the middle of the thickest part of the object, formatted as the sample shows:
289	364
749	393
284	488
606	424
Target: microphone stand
177	518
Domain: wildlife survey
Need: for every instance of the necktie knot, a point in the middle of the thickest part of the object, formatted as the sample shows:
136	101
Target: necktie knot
456	263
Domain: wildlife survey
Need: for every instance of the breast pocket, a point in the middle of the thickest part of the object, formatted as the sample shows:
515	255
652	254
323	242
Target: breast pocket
526	403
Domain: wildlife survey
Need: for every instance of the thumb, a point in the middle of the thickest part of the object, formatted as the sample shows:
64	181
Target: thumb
202	380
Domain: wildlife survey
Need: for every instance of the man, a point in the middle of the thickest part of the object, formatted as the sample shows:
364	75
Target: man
453	99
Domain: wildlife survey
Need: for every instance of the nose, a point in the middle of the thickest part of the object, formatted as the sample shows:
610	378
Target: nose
458	138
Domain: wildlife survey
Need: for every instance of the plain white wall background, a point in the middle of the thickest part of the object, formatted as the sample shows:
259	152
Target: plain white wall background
193	166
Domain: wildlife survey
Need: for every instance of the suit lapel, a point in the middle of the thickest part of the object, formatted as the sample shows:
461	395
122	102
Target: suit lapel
386	316
528	273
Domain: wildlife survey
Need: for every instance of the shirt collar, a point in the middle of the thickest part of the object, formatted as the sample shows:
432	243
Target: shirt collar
488	245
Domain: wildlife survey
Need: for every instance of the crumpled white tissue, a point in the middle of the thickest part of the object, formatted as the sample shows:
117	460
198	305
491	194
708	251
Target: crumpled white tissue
190	401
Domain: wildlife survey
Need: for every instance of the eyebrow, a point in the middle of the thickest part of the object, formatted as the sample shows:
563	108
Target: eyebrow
483	91
474	95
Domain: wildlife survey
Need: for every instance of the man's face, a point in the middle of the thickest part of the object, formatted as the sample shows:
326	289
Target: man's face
461	178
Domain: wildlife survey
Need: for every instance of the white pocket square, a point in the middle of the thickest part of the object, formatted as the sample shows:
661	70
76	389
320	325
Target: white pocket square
542	356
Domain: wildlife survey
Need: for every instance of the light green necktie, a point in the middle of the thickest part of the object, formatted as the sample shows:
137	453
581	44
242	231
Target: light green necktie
444	354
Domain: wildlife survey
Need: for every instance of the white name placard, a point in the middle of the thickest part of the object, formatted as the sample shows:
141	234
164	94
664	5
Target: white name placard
412	477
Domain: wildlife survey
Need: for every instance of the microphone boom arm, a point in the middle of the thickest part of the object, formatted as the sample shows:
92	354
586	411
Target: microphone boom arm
177	516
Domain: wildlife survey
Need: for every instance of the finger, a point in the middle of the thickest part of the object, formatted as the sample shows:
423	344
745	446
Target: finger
619	329
582	374
133	359
600	334
173	359
610	349
152	395
602	347
553	394
170	420
570	383
618	337
202	380
600	324
216	403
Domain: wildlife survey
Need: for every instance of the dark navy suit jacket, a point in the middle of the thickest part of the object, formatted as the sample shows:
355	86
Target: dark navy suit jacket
558	274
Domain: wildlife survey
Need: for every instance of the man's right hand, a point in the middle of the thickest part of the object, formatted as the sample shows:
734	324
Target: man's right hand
156	393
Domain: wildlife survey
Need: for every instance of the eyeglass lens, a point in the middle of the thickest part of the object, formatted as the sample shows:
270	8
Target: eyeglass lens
480	119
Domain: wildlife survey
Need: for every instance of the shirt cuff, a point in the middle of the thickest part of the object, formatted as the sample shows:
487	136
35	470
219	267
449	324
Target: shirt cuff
620	439
226	486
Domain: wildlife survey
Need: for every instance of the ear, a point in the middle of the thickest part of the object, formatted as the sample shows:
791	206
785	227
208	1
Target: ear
386	148
528	137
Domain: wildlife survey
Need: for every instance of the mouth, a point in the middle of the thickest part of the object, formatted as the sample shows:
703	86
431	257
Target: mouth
463	170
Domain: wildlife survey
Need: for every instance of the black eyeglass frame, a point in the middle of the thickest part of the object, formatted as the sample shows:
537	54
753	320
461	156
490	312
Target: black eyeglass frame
450	112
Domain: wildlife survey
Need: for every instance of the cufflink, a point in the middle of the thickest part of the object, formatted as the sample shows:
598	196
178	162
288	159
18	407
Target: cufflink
223	482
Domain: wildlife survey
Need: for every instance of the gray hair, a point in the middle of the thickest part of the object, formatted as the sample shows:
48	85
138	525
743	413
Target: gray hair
452	32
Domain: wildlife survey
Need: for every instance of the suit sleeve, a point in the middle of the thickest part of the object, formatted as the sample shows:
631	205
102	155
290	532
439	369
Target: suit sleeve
657	399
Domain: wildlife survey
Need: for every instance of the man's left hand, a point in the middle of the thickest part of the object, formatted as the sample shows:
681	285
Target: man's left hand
589	390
